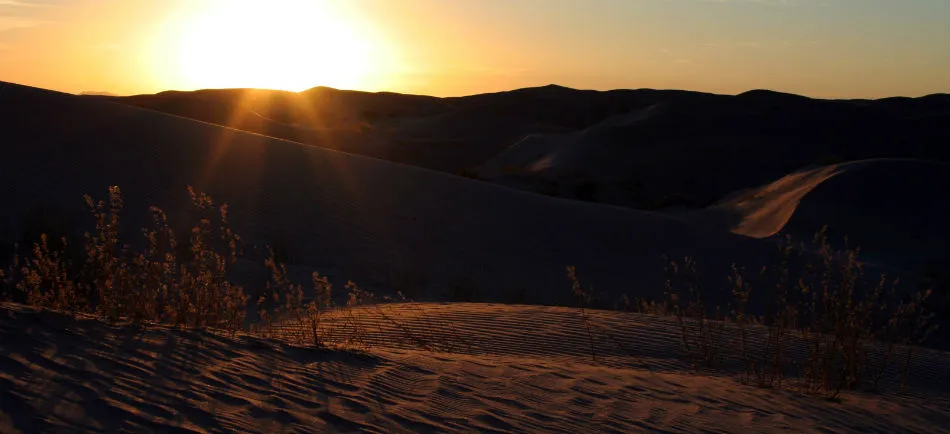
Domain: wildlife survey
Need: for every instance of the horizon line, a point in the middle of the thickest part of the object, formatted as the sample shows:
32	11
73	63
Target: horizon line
549	85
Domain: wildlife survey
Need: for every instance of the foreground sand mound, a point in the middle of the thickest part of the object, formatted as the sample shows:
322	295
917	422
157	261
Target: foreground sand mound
369	220
894	210
59	374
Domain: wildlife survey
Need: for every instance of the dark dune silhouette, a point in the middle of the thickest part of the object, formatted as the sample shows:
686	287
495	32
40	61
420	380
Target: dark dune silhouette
362	218
698	139
691	151
646	149
520	366
369	219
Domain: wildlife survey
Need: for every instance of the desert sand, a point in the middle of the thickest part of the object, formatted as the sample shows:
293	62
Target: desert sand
446	367
348	216
890	208
522	369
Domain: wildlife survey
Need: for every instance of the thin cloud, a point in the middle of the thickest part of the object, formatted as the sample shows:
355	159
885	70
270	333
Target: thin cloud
739	44
97	93
18	14
13	23
23	4
750	44
761	2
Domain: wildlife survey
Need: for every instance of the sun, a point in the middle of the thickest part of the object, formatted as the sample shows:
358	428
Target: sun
274	44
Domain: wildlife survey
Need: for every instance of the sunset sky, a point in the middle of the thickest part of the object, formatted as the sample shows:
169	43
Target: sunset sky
821	48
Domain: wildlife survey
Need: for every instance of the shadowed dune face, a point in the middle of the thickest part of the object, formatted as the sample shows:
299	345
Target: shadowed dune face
640	148
463	367
381	223
363	218
692	153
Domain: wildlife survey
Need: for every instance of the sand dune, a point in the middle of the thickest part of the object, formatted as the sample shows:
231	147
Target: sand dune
369	220
443	367
780	132
66	375
643	148
895	210
692	151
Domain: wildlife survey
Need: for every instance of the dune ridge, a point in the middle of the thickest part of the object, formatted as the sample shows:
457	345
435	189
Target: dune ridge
440	367
601	146
890	208
348	216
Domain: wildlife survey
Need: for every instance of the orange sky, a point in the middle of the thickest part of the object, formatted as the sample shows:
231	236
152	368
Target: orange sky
823	48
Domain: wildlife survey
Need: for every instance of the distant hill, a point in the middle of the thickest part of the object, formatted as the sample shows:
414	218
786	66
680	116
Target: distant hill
485	348
643	148
381	224
96	93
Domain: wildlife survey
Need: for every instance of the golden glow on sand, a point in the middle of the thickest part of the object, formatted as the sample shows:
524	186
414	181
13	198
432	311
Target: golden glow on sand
275	44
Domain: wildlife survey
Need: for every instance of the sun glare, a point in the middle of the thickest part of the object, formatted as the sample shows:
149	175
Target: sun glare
275	44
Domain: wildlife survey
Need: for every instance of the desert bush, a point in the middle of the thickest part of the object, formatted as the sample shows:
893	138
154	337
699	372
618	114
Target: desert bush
117	282
821	303
45	279
701	329
825	305
842	317
184	281
824	323
584	297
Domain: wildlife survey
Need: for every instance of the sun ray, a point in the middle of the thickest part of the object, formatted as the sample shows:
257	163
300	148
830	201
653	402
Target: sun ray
223	144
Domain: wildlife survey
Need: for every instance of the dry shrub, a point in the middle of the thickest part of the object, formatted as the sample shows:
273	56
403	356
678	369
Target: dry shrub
117	282
584	298
184	281
825	306
45	280
826	324
702	329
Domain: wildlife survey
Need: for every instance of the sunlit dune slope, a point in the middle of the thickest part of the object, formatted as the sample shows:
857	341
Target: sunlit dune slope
895	210
525	369
369	220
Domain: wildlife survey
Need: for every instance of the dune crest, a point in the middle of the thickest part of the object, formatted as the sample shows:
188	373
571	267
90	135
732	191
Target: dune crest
893	209
765	211
349	216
